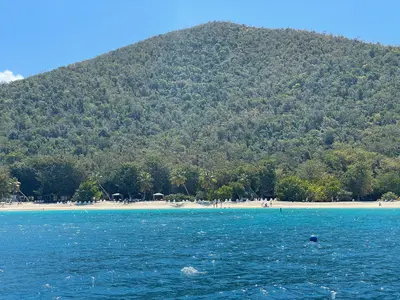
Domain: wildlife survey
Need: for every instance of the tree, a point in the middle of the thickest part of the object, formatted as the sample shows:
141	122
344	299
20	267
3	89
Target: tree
389	196
237	190
178	178
292	188
316	192
207	181
329	138
192	179
267	179
25	173
87	191
311	170
159	174
145	183
388	182
224	192
331	187
248	176
126	178
358	179
58	176
5	183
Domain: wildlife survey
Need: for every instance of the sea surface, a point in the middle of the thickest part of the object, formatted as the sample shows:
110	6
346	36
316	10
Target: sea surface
201	254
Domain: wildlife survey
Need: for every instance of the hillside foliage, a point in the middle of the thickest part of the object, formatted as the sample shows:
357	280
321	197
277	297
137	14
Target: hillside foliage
213	99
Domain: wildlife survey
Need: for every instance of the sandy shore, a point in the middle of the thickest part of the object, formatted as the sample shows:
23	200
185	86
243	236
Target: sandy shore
155	205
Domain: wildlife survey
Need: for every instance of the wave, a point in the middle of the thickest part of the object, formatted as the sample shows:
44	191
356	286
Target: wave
190	271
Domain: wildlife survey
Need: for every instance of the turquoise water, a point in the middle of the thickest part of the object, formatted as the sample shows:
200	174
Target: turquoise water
200	254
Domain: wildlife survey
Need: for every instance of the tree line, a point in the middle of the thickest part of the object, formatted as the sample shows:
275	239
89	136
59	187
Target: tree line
338	174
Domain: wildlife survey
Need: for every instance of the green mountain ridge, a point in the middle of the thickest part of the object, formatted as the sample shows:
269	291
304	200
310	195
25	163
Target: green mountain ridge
214	95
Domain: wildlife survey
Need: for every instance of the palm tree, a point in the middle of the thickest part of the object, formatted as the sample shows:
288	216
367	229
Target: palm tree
97	177
178	178
207	180
145	183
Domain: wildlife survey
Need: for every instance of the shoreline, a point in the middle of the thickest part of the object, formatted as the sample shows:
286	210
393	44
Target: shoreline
160	205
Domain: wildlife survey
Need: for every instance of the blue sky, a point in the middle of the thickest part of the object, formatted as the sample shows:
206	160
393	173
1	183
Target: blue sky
40	35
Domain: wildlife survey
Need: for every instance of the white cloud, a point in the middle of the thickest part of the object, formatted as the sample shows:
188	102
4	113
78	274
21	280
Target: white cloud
8	76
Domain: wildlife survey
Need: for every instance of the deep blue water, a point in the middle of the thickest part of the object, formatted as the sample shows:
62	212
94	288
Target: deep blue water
238	254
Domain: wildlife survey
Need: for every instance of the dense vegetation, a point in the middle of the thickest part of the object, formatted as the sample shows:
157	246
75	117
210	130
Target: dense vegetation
217	109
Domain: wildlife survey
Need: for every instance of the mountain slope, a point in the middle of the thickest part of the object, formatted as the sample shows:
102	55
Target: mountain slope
218	92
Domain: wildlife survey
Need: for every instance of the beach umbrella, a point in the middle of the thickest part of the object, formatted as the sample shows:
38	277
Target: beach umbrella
157	195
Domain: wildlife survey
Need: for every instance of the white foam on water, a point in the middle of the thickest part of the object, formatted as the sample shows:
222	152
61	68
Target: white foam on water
333	295
263	291
190	271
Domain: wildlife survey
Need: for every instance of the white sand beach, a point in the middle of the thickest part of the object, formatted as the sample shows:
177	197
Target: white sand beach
155	205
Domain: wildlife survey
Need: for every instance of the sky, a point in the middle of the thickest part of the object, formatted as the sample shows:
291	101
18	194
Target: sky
41	35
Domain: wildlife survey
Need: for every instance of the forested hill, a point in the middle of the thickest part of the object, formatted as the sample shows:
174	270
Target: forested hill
212	95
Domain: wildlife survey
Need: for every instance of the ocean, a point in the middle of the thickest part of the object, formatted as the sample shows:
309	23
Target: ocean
200	254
